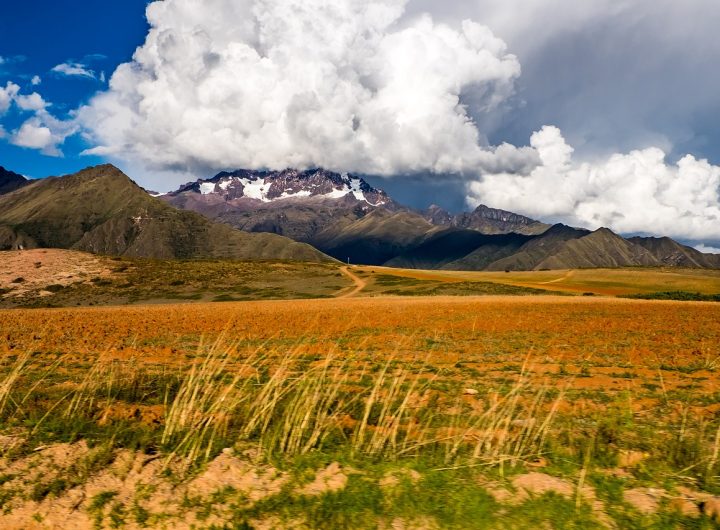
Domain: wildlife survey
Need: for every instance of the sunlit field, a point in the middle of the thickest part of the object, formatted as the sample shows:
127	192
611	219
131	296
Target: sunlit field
59	278
410	412
604	282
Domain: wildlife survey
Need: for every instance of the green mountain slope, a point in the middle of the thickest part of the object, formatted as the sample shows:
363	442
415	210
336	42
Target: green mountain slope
530	255
601	248
101	210
459	249
376	238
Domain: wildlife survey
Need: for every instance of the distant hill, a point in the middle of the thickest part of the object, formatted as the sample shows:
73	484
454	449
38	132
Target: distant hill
487	221
563	247
101	210
533	254
375	238
460	249
601	248
10	181
674	254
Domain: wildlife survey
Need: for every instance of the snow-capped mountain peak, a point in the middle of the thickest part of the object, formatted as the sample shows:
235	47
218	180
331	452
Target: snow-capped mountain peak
272	186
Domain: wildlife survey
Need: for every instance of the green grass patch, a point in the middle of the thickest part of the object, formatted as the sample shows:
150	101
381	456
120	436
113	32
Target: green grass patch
684	296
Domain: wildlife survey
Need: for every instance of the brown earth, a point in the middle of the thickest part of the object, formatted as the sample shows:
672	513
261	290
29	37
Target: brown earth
36	269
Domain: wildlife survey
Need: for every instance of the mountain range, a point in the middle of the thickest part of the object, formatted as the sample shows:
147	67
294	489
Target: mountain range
345	217
101	210
302	215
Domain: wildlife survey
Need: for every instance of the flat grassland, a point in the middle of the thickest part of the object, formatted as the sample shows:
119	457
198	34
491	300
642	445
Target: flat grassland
603	282
367	411
61	278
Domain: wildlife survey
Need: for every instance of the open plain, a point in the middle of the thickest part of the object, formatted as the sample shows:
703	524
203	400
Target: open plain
364	411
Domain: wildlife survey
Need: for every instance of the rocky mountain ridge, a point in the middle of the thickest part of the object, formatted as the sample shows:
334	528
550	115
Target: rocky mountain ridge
486	220
10	181
316	206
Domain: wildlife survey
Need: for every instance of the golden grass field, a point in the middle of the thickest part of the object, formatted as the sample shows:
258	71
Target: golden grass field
606	282
483	330
379	407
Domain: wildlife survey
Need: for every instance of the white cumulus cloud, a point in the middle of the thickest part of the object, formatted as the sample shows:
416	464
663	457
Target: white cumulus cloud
42	131
638	192
7	96
348	84
31	102
74	70
34	135
36	80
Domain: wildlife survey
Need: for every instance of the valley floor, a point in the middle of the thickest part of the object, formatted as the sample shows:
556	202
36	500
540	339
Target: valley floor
61	278
599	282
363	412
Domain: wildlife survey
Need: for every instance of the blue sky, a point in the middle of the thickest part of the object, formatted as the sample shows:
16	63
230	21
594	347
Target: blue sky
38	35
593	113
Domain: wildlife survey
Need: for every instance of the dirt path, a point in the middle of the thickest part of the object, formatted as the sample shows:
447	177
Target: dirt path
567	276
360	284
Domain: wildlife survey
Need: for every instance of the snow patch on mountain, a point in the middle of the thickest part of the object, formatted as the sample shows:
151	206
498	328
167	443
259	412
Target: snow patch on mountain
355	189
337	193
256	189
206	188
289	195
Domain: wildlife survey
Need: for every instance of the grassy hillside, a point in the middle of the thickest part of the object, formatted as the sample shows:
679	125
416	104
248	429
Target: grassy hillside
58	278
376	238
55	278
101	210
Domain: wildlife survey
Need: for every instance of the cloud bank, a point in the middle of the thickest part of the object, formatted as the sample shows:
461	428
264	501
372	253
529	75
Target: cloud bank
636	192
614	75
42	131
348	84
411	87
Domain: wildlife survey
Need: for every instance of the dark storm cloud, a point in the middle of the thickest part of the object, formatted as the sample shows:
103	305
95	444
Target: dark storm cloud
613	75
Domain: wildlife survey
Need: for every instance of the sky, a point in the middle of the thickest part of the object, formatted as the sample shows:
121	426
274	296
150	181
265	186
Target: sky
593	113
